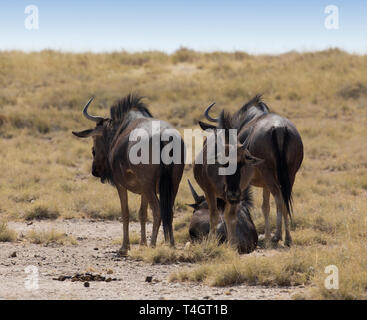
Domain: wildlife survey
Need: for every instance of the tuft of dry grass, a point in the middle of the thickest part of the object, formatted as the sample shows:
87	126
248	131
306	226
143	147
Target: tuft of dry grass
50	236
207	250
134	238
6	234
41	212
284	269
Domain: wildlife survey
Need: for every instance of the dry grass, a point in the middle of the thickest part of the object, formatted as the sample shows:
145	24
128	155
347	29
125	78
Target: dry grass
134	238
50	236
205	251
6	234
323	93
41	212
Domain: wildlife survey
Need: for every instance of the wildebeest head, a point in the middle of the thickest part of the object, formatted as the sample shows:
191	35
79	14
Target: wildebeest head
100	166
106	129
246	232
234	184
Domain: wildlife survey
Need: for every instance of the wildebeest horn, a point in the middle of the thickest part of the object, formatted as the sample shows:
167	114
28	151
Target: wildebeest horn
206	114
89	117
193	192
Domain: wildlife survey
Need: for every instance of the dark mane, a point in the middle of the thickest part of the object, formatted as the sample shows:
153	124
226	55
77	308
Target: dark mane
126	104
225	121
247	199
245	115
256	101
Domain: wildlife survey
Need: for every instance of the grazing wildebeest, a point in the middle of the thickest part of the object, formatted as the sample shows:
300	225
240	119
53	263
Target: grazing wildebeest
245	229
276	140
112	163
228	187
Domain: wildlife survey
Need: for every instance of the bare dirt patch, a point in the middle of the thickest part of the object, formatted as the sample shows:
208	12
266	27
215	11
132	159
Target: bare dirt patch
95	254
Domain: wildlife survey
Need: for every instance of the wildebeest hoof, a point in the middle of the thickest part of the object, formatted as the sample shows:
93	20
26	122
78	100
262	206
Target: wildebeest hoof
275	239
122	252
288	242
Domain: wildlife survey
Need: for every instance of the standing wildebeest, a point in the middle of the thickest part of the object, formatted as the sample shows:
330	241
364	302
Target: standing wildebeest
228	187
245	230
276	140
111	162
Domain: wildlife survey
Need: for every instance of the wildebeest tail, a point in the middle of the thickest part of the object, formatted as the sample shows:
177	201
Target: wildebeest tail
166	199
278	134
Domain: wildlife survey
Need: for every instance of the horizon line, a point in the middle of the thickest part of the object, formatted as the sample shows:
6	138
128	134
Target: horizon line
172	52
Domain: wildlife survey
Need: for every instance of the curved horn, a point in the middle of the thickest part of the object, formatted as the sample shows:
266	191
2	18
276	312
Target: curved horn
89	117
193	192
206	114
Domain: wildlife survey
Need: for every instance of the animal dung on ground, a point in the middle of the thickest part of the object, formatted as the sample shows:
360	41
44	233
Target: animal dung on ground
86	277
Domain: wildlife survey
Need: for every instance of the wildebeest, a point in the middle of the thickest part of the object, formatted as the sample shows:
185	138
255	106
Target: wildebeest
276	140
245	229
112	163
228	187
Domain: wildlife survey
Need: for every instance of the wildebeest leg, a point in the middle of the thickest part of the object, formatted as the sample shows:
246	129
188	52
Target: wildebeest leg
143	219
213	212
288	238
266	210
230	218
154	205
125	220
280	208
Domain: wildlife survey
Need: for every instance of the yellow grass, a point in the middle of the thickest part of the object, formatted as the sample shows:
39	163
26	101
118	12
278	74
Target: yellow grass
6	234
205	251
49	236
323	93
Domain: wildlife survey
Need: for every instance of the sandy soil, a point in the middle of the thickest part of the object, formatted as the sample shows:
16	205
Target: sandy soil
96	253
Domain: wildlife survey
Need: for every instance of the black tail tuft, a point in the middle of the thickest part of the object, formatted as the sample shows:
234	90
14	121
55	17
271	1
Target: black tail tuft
282	167
166	200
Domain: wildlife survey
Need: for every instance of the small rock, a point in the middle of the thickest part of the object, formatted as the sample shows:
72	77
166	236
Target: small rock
148	279
109	271
227	293
96	249
13	255
86	284
206	297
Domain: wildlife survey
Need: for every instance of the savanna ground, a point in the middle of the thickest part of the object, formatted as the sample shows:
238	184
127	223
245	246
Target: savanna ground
55	215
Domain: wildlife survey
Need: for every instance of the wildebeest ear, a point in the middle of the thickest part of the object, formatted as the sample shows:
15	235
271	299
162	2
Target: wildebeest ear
251	160
87	133
206	126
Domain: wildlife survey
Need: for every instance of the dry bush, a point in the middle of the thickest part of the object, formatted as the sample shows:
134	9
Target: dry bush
198	252
48	237
41	212
6	234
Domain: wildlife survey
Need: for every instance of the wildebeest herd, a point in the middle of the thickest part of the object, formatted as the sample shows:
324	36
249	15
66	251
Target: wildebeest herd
269	152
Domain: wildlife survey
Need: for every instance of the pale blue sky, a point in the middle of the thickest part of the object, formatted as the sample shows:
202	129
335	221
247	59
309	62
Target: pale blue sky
253	26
